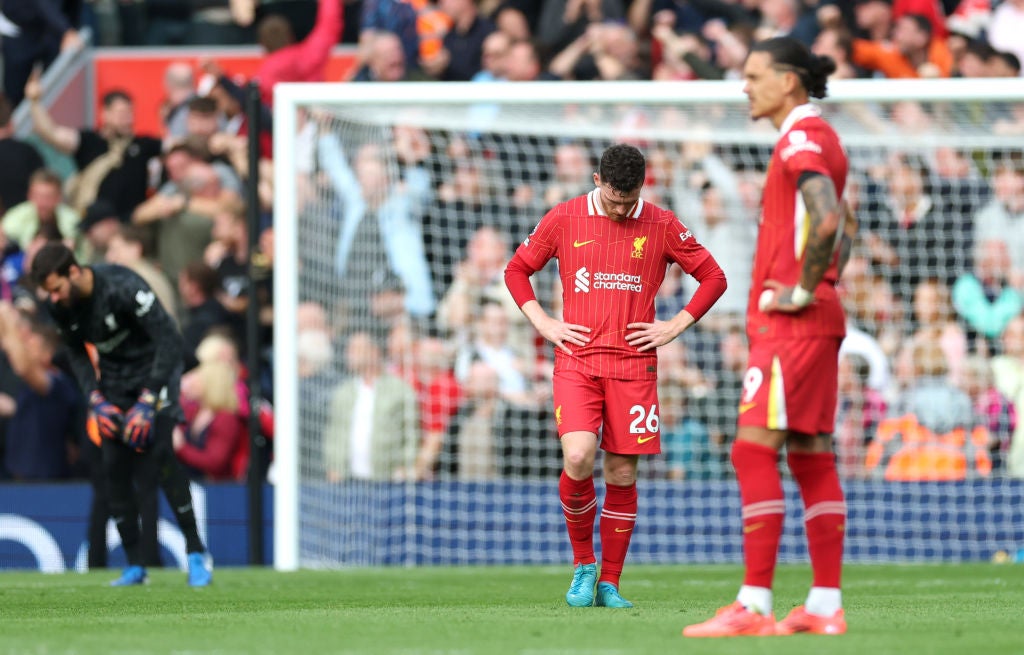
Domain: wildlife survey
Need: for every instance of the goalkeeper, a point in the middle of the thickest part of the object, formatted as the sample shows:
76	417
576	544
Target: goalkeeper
132	391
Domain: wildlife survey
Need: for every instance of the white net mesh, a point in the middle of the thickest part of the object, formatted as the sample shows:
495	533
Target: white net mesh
405	213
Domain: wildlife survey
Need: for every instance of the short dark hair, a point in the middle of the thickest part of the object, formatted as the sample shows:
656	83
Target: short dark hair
54	257
110	97
203	276
623	167
274	32
134	234
45	176
789	53
1010	59
203	105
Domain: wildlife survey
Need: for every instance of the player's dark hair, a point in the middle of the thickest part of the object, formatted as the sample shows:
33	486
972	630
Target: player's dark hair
1010	59
623	167
789	54
54	257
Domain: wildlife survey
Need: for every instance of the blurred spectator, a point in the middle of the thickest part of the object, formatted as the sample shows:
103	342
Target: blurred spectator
128	248
113	163
397	17
221	22
372	431
936	403
288	61
913	52
228	255
179	89
39	32
606	51
995	412
167	22
490	344
469	451
494	57
1003	217
461	57
522	64
440	395
97	228
18	159
214	434
873	18
512	20
380	231
934	434
985	298
564	21
48	412
859	411
318	378
44	206
181	217
573	174
1008	374
479	278
386	62
690	452
923	237
1006	28
787	18
934	322
201	311
837	43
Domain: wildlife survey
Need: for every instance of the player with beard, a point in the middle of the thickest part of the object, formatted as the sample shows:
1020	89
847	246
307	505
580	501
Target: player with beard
132	391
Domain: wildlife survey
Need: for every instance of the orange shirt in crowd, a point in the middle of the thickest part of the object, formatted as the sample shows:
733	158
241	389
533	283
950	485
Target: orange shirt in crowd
885	58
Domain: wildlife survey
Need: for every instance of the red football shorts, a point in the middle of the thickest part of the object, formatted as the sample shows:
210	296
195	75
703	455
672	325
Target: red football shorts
792	384
627	410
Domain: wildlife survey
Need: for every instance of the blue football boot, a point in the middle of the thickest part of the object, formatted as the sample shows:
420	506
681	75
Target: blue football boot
608	596
581	591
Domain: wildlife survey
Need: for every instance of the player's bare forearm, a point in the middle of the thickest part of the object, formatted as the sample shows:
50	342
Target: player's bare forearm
848	236
557	332
823	215
648	336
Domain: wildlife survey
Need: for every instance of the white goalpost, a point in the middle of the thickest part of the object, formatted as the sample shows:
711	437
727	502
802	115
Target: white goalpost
396	206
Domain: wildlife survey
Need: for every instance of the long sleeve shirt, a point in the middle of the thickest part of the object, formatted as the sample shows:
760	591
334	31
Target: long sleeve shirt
303	61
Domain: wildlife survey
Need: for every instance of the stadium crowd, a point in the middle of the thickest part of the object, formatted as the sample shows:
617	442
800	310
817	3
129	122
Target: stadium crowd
414	361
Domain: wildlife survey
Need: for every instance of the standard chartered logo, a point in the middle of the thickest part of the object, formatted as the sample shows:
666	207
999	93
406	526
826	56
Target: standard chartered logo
583	280
610	281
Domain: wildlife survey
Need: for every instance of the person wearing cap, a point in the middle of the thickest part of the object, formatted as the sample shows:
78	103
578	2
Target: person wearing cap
98	227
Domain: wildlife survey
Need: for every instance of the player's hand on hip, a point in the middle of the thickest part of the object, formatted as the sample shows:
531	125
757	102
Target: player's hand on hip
139	420
779	297
109	419
649	336
561	333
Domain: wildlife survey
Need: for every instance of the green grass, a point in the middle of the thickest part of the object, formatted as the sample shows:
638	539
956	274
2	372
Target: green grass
909	610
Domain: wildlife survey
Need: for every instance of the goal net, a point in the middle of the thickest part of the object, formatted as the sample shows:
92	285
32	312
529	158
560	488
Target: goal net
413	401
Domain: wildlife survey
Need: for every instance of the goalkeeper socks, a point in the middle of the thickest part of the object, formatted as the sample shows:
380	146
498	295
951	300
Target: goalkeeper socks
179	497
579	505
824	513
618	516
757	472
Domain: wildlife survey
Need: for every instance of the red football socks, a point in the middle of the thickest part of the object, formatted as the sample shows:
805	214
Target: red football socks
824	513
579	505
618	516
764	508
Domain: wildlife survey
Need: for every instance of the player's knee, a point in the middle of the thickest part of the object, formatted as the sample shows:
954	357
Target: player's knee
622	476
579	462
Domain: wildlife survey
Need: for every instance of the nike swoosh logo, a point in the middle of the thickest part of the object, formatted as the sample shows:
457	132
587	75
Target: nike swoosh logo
747	529
746	407
580	244
646	439
623	529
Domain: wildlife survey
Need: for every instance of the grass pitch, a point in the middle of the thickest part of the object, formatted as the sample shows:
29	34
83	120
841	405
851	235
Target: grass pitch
918	610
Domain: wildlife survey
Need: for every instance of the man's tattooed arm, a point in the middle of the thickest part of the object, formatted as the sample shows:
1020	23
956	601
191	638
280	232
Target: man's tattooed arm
846	239
823	213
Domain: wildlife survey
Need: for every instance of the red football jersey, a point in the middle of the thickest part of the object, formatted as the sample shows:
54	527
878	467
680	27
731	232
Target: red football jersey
610	275
808	143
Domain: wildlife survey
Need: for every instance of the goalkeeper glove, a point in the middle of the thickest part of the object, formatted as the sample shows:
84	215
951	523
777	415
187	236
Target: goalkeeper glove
139	420
106	415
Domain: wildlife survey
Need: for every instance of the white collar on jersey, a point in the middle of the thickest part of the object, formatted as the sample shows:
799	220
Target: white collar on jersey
799	113
594	205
